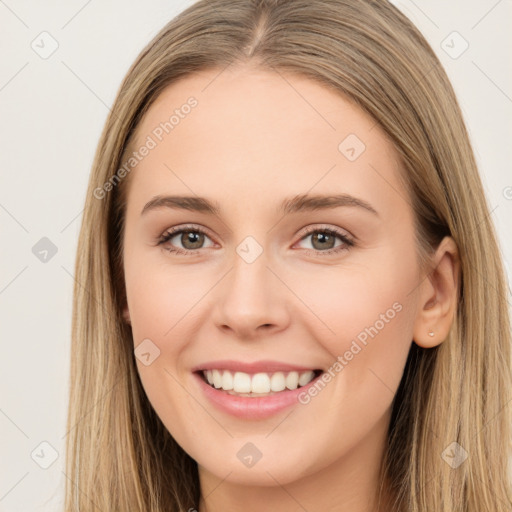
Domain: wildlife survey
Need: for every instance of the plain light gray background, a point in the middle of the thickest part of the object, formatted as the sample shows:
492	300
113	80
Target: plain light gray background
52	111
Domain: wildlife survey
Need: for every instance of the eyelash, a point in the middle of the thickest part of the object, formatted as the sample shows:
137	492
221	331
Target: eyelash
347	242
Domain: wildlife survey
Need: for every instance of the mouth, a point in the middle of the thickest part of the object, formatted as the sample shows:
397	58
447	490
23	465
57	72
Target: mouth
256	385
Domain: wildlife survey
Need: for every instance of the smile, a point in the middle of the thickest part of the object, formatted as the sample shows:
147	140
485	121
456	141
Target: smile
257	384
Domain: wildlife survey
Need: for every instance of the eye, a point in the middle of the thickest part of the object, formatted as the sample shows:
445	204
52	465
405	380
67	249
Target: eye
191	238
323	240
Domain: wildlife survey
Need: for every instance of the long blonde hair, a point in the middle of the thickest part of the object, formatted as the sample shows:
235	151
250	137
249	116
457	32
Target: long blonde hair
119	455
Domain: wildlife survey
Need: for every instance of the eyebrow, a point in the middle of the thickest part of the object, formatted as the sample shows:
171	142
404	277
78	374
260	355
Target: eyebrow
296	204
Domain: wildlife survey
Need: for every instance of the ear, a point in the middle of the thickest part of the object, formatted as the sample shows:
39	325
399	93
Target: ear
438	296
126	315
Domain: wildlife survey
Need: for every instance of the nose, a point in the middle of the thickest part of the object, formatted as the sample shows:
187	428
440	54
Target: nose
251	301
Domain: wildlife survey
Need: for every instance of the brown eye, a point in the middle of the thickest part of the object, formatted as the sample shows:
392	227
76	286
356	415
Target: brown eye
326	241
185	241
323	240
192	240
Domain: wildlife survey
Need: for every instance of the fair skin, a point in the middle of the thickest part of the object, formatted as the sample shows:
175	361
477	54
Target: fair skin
250	143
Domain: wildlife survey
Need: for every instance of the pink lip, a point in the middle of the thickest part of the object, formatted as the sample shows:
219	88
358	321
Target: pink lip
248	408
254	367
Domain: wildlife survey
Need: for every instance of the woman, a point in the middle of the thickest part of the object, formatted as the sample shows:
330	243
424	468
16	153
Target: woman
290	295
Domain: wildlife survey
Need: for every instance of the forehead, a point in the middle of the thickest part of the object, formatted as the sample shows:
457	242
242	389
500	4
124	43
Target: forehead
260	132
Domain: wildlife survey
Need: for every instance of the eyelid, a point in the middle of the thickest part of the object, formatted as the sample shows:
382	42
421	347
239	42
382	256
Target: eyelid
173	231
185	227
326	227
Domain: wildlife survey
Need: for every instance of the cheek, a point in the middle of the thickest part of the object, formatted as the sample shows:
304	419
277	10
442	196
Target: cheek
162	298
349	299
161	301
364	320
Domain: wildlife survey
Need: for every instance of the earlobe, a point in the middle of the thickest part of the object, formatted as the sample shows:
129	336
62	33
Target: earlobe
438	297
126	315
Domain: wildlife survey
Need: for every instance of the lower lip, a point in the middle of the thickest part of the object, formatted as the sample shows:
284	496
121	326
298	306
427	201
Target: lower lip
252	408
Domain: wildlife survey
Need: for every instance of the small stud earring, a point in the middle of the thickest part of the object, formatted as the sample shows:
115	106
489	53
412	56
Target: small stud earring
431	334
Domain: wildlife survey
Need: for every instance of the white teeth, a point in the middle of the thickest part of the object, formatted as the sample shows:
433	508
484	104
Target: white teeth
242	382
306	377
292	380
258	383
227	381
217	378
277	381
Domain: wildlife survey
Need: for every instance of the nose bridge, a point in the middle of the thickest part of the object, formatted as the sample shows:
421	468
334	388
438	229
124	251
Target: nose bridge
250	295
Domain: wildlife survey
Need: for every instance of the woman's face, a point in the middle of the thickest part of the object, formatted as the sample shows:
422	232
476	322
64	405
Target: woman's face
298	262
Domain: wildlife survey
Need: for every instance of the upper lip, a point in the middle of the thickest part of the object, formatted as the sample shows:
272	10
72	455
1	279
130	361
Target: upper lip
266	366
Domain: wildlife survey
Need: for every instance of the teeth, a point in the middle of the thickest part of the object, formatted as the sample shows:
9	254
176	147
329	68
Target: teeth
258	383
227	381
242	382
277	382
306	377
292	380
217	378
